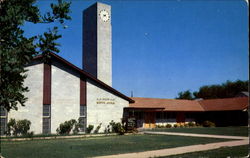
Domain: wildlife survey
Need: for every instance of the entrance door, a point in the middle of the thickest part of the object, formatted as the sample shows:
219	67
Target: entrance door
149	118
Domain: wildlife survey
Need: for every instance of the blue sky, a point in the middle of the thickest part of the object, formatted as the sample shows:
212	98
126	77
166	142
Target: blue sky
163	47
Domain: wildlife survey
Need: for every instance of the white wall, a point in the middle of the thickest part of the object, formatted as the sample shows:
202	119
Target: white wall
33	109
65	96
65	100
99	110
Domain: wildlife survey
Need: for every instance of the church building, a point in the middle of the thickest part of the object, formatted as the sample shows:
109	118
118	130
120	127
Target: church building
60	91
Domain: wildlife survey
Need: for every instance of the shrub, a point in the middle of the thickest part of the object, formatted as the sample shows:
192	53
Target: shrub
97	128
198	125
30	134
20	127
168	126
208	124
23	126
186	125
175	125
107	129
117	127
191	124
89	128
77	127
11	127
66	127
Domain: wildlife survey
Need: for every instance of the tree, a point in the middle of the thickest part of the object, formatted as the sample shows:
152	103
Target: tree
225	90
17	50
185	95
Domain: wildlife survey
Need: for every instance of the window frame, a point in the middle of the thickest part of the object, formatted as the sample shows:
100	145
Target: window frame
48	117
83	117
5	118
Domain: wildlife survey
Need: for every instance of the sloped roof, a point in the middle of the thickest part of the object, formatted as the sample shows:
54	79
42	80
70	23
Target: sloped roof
167	104
225	104
85	74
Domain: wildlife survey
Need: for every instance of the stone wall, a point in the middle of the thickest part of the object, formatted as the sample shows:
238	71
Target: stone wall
103	106
65	96
33	109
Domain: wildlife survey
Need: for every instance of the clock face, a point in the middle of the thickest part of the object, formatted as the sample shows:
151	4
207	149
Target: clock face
104	15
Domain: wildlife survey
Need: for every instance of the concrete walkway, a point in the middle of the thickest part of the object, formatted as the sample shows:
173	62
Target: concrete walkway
196	135
184	149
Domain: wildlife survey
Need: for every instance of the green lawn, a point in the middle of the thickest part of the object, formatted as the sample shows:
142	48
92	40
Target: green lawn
227	152
232	131
87	147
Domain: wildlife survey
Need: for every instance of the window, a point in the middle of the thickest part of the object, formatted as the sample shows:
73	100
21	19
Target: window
46	119
46	125
82	119
189	115
2	111
46	110
138	115
82	110
3	121
169	115
158	115
172	115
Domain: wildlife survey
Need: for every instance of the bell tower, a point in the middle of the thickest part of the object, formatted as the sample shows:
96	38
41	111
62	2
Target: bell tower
97	42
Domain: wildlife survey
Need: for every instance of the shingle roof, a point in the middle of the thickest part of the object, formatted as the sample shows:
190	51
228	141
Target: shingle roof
167	104
225	104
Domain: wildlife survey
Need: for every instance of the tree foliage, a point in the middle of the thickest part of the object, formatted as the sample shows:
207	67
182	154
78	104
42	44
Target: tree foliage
17	50
225	90
185	95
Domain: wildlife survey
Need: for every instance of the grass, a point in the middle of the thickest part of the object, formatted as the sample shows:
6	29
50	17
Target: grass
88	147
231	131
226	152
47	135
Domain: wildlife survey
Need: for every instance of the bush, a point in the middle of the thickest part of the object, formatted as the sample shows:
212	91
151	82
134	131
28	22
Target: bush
208	124
97	128
117	127
67	126
20	127
11	127
89	128
107	129
175	125
191	124
168	126
30	134
77	127
186	125
23	126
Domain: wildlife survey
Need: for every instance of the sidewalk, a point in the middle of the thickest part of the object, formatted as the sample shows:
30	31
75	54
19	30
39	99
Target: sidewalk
196	135
184	149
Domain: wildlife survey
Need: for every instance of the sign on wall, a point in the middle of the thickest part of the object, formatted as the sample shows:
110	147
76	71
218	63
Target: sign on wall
105	101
